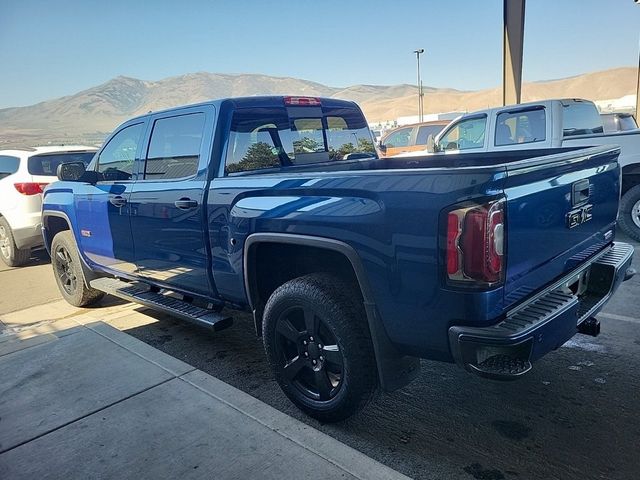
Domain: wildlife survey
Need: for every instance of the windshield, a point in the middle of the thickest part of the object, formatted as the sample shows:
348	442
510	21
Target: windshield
47	164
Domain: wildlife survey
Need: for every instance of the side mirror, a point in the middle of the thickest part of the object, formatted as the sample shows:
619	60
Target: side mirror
70	171
383	148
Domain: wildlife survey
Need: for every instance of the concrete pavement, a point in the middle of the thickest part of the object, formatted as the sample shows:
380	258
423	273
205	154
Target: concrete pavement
81	399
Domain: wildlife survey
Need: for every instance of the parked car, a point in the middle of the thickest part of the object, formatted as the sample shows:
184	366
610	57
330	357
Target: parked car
352	266
410	138
618	122
23	175
550	124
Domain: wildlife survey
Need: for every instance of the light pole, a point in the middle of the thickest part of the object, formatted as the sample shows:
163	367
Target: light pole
638	85
418	52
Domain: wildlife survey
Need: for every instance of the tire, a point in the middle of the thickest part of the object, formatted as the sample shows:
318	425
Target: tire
67	269
11	255
344	378
629	218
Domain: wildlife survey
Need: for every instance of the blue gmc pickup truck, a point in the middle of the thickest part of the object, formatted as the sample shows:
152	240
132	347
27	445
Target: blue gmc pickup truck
353	266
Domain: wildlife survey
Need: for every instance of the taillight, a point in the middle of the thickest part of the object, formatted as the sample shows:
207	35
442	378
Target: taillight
302	101
475	243
30	188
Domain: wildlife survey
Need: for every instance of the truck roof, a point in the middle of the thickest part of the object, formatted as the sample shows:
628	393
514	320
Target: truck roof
255	101
545	102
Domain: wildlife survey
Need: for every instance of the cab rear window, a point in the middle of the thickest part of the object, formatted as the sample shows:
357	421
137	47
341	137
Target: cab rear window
580	118
287	136
47	164
8	165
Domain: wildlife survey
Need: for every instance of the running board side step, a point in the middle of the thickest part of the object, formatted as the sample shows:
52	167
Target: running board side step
142	293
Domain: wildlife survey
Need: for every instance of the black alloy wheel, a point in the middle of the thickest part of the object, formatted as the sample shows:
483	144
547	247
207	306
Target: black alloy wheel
317	341
64	269
310	354
68	272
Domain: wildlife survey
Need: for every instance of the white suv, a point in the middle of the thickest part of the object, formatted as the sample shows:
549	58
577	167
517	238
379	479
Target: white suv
23	175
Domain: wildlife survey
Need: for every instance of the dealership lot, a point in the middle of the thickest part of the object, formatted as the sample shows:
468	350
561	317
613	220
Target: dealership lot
576	415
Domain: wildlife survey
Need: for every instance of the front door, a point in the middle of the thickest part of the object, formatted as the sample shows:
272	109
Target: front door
167	214
102	210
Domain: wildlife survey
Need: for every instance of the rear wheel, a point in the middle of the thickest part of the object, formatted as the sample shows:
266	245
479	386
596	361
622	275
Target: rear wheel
68	272
629	218
11	255
317	342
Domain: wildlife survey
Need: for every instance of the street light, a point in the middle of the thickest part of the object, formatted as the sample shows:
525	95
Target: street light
418	52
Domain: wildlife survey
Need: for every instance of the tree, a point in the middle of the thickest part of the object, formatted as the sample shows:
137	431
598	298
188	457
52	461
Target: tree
259	155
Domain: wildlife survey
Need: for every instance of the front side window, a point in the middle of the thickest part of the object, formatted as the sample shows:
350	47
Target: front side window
117	157
281	137
523	126
580	118
465	135
174	149
399	138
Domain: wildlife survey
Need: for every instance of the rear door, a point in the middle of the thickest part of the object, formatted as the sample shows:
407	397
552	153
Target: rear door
102	210
558	214
167	212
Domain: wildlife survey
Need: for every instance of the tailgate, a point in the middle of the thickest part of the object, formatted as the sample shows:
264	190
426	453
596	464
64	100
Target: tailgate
561	209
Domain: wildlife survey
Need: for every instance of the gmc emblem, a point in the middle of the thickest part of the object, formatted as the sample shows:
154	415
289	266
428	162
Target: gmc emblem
579	215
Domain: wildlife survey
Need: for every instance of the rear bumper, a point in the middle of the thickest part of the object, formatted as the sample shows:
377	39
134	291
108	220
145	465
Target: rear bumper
28	237
546	321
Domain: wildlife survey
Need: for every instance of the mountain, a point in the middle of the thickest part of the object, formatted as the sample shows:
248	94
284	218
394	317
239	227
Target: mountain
89	115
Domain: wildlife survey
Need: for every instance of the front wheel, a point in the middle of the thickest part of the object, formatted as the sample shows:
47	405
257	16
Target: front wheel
318	344
629	218
68	272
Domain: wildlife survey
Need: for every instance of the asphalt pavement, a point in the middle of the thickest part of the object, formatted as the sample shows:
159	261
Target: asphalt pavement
575	416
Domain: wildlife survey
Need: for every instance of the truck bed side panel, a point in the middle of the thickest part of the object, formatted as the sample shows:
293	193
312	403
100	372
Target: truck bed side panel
389	217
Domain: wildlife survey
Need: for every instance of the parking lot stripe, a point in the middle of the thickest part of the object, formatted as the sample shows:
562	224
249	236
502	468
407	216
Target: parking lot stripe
622	318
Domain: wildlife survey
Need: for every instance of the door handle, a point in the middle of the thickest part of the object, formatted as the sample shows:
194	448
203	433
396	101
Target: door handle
185	203
118	201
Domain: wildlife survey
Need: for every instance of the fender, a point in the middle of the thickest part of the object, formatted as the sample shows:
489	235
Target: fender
394	370
87	272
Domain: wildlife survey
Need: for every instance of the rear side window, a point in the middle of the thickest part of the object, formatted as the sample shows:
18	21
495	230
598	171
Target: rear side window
47	164
117	157
279	137
8	165
174	149
580	118
425	131
522	126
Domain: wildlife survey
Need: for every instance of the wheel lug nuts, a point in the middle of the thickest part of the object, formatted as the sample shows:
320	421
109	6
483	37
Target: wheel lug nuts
311	339
320	345
306	354
321	357
304	342
314	362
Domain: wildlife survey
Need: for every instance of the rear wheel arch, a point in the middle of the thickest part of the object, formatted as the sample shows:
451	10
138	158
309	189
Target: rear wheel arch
316	254
262	250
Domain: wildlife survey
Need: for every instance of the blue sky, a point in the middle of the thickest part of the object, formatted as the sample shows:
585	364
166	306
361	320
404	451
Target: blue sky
54	48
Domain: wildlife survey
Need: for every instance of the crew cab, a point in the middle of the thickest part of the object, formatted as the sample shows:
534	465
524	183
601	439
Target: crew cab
550	124
353	267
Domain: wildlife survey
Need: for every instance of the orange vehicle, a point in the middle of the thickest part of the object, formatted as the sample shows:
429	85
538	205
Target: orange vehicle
410	138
